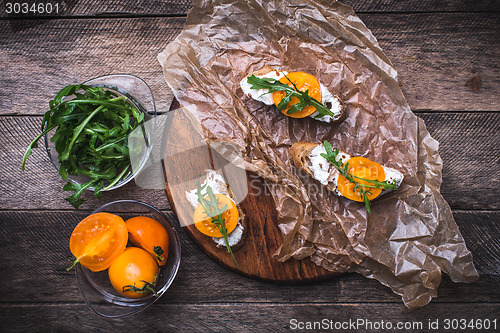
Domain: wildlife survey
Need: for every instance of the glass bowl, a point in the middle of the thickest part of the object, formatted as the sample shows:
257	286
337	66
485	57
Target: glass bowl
96	288
138	93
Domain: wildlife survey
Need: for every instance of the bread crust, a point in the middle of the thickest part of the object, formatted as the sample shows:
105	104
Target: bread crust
300	152
264	70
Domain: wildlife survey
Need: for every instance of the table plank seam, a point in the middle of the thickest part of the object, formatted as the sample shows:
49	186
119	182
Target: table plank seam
240	303
157	15
97	16
169	211
416	111
181	15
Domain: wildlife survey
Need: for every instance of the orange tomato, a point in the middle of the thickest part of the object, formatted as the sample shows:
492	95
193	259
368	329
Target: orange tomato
98	240
133	274
303	81
150	235
230	216
363	168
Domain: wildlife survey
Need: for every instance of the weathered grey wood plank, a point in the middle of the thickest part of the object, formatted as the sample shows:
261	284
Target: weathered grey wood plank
244	317
35	247
469	149
468	146
38	60
446	62
105	8
394	6
40	186
181	7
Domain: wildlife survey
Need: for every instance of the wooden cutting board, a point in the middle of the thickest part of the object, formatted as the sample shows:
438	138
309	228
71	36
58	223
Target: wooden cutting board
186	157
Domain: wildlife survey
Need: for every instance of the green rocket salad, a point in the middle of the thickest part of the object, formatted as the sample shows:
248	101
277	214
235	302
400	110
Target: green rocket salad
90	137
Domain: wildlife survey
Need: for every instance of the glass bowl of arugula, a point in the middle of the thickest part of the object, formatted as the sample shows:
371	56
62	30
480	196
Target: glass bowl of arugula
92	129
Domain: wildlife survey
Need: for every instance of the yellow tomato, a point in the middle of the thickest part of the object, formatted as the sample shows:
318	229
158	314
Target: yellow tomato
230	216
98	240
133	274
150	235
363	168
303	81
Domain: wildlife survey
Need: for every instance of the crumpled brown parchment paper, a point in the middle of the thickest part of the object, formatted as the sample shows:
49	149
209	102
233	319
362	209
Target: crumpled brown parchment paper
410	237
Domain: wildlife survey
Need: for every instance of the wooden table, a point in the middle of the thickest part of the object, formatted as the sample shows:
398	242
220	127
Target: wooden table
447	55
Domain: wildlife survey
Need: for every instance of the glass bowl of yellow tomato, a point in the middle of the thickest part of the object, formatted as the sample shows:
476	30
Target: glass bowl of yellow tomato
128	254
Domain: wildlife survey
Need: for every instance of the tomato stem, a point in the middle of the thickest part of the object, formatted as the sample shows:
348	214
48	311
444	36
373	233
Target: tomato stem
158	252
150	287
75	261
144	289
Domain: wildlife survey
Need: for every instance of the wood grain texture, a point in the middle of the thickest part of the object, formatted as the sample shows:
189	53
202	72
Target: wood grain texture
391	6
242	317
468	147
40	186
34	59
120	8
43	237
471	160
447	57
114	8
436	55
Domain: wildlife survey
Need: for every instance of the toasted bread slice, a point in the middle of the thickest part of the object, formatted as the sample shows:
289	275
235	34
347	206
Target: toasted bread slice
237	237
301	155
239	233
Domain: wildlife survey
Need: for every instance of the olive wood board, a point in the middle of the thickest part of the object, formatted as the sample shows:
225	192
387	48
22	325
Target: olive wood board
182	167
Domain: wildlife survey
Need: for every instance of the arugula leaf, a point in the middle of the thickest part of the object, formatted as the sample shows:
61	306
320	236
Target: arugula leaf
90	136
34	144
75	200
273	85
